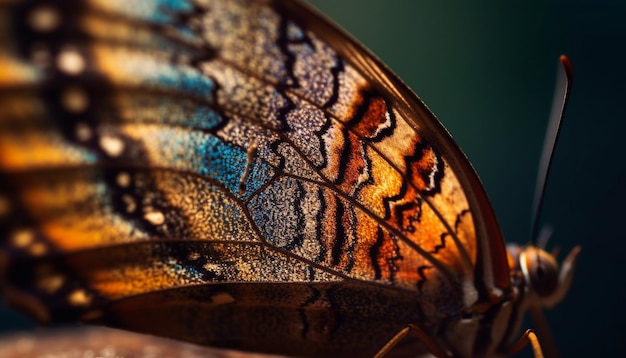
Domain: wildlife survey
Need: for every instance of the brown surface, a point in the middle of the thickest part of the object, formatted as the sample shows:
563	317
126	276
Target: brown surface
92	342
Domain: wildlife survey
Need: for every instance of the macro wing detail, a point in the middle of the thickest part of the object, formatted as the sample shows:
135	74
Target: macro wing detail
182	151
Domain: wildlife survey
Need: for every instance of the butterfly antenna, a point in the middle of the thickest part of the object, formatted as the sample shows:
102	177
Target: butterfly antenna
561	95
544	236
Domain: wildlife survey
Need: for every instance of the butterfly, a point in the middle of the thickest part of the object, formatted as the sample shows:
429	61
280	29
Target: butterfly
243	174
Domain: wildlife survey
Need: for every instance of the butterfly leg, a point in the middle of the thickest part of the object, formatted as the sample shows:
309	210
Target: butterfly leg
417	332
528	337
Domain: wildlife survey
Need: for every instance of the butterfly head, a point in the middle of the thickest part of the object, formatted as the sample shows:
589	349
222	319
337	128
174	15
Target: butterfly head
545	282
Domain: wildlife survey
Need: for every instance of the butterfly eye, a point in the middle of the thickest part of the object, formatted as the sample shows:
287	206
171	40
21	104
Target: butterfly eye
540	270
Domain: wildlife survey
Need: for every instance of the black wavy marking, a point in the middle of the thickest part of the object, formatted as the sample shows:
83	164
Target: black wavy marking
283	43
337	69
318	228
315	295
367	96
420	272
344	157
346	150
400	209
417	156
274	148
375	253
320	136
300	221
457	222
394	198
311	274
392	124
367	168
340	235
283	126
442	245
443	236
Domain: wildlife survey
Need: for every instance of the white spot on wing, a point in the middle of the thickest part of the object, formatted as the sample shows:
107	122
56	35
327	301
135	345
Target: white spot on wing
71	62
432	182
213	267
154	217
44	19
385	125
112	146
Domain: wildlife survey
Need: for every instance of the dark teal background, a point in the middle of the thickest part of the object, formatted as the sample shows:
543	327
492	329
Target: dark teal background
487	70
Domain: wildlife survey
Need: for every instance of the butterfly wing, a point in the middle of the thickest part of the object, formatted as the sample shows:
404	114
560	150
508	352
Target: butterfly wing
491	257
229	172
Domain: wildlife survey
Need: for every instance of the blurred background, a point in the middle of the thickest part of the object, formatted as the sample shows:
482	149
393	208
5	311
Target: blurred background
487	69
